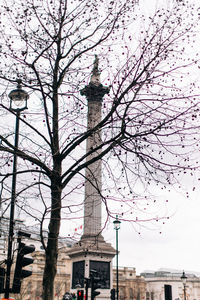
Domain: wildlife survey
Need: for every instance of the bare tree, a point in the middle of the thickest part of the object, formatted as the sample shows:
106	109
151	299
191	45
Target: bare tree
148	118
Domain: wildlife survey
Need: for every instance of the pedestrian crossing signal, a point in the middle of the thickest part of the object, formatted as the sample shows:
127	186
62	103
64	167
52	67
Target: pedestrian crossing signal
80	295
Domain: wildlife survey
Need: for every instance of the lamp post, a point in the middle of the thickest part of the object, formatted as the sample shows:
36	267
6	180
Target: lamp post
184	279
18	103
117	227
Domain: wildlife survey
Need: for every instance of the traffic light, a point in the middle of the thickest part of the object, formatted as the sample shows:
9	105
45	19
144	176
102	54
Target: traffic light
95	284
80	295
2	277
112	294
20	263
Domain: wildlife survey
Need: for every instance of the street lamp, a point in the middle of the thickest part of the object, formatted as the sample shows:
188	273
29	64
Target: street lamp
18	103
117	227
184	280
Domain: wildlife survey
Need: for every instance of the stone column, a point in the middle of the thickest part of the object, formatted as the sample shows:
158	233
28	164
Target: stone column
94	93
92	253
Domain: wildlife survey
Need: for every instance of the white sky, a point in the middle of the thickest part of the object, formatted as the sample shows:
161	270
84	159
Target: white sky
174	245
178	244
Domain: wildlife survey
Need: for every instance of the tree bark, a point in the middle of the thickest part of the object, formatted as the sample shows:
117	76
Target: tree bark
52	245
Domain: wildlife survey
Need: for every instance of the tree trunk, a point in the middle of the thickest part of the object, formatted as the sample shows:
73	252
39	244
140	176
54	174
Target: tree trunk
52	245
56	191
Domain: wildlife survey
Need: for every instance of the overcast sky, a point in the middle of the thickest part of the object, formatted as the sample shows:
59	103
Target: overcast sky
174	244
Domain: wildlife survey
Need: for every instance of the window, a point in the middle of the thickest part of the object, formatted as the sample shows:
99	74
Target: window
29	287
131	293
168	292
152	295
122	293
138	295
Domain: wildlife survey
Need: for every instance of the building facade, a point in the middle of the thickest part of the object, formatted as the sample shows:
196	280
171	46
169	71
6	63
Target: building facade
31	288
149	286
164	285
131	286
160	285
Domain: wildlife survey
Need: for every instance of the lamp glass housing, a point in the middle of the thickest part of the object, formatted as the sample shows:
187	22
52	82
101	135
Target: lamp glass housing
18	99
184	278
116	223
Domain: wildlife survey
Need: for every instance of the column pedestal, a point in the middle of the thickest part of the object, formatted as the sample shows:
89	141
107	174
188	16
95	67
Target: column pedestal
92	254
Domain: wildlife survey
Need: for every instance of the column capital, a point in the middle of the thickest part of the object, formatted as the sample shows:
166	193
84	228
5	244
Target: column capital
94	92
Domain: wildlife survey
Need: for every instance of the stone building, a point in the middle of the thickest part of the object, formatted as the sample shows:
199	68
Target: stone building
148	286
31	288
166	285
131	286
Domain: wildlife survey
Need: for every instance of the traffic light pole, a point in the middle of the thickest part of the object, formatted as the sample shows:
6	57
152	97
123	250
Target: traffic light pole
12	210
87	282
